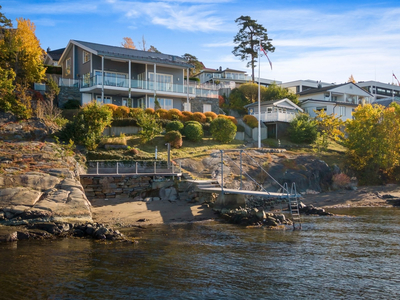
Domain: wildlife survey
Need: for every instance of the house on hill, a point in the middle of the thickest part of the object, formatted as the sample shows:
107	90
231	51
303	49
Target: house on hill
129	77
275	115
339	99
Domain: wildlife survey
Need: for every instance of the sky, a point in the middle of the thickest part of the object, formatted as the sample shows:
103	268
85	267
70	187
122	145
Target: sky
324	41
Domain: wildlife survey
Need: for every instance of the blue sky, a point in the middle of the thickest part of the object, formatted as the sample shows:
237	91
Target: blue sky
318	40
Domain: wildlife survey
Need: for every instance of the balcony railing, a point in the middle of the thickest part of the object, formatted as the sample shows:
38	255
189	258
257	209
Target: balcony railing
276	116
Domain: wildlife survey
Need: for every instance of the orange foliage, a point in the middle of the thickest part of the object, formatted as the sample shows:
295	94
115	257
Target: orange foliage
199	117
162	113
233	119
134	111
211	115
174	114
187	116
121	112
149	111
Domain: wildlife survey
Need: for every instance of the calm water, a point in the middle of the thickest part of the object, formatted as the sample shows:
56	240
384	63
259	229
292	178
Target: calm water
354	257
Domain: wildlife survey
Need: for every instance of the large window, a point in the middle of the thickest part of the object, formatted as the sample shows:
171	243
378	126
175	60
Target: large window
163	82
86	56
86	80
107	99
164	103
342	111
68	66
112	78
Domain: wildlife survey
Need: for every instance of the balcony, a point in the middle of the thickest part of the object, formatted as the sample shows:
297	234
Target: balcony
283	116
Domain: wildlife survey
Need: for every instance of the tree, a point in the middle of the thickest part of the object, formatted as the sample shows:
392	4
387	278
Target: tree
237	100
4	22
247	40
373	141
150	126
330	125
302	129
153	49
128	43
351	79
191	59
275	92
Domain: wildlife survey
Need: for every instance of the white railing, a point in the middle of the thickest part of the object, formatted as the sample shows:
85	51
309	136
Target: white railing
68	82
276	116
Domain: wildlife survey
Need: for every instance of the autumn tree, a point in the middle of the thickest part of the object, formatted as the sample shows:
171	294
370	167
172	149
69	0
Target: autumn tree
330	125
191	59
275	92
128	43
351	79
373	142
247	41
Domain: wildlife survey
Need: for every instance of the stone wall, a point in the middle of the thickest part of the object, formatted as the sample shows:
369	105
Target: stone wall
68	93
197	104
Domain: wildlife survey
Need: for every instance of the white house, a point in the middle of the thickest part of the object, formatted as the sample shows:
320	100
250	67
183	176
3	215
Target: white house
380	90
339	99
275	115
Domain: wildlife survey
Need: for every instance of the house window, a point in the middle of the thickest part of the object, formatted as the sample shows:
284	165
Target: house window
163	82
68	66
206	107
86	80
124	101
269	110
164	103
320	108
107	99
342	111
112	78
86	56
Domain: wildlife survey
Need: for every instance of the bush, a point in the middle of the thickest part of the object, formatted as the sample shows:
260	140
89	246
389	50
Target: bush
149	111
174	138
187	116
302	129
199	117
72	104
341	181
174	126
193	131
112	107
121	112
207	129
133	112
233	119
251	121
210	114
174	114
223	130
124	122
162	113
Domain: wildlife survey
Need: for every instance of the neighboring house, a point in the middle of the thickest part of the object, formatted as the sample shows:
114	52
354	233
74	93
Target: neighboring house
380	90
275	115
127	77
299	86
228	77
53	56
339	99
387	101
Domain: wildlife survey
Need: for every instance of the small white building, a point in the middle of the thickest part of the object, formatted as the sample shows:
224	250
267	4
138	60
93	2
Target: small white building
275	115
339	99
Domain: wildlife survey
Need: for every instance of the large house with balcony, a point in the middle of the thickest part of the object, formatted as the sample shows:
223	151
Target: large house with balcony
275	115
133	78
380	90
339	99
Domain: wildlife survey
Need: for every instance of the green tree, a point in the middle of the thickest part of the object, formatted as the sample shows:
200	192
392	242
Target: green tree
193	131
237	100
4	21
247	41
302	129
373	141
191	59
223	130
150	125
275	92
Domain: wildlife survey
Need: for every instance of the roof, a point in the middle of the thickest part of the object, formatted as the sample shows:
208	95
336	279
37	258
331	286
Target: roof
332	87
329	102
55	54
274	103
387	101
133	54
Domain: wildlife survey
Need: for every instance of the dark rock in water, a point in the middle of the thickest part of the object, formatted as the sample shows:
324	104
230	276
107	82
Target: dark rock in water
23	235
311	210
78	233
9	237
47	226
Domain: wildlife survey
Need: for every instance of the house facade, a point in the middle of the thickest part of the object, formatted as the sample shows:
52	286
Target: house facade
275	115
337	99
127	77
380	90
299	86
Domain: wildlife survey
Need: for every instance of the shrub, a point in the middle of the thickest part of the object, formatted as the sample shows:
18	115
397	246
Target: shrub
207	129
211	115
174	126
133	112
174	138
72	104
133	151
112	107
174	114
341	181
121	112
251	121
150	126
302	129
149	111
193	131
187	116
199	117
124	122
233	119
223	130
162	113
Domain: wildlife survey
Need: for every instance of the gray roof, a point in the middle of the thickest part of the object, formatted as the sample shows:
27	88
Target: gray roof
126	53
322	89
387	101
55	54
264	103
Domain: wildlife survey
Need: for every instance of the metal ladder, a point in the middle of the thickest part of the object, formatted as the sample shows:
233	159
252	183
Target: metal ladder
293	201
